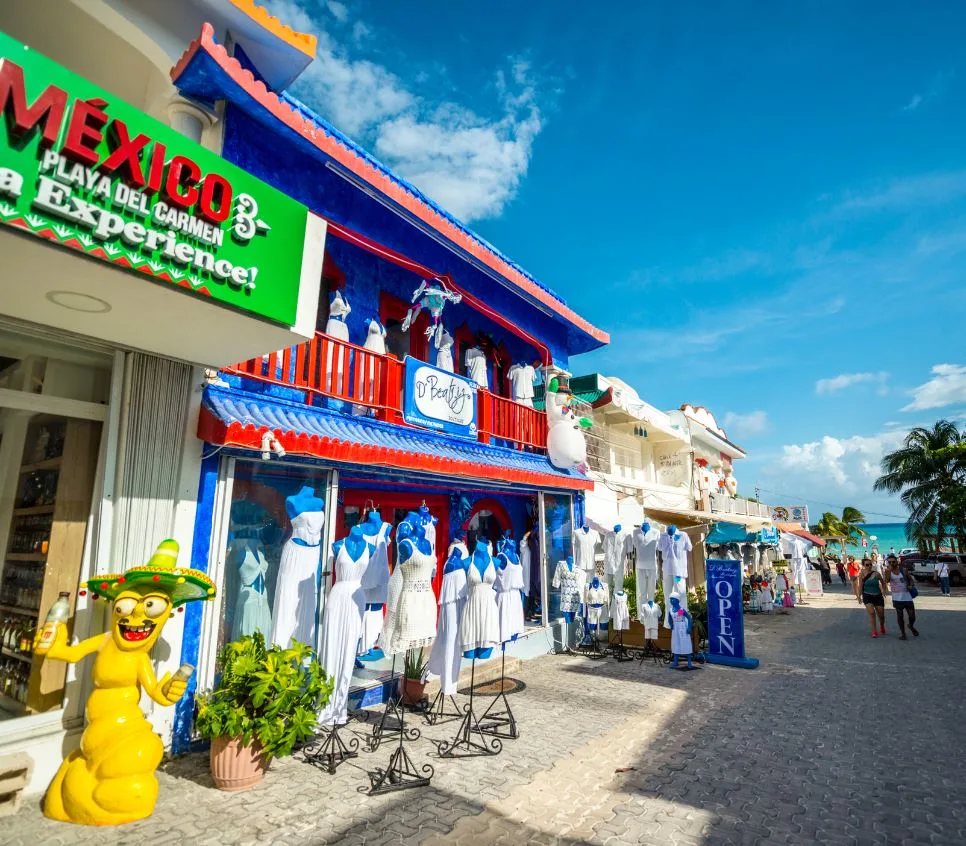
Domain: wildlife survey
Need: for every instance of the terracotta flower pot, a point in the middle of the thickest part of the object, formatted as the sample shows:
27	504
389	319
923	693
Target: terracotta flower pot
412	690
236	767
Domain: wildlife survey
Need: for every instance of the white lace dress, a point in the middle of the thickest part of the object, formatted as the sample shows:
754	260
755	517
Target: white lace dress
414	618
297	595
375	583
620	613
341	630
479	624
571	585
444	660
509	600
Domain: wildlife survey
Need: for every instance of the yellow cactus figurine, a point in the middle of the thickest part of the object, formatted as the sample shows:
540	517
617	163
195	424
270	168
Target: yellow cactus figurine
110	779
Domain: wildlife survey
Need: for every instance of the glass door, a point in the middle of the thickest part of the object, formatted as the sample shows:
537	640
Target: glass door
557	524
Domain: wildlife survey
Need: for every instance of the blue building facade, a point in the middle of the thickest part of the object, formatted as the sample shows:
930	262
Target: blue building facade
329	417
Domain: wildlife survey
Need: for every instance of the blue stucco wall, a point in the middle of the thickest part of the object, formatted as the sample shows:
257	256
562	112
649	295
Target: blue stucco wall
300	174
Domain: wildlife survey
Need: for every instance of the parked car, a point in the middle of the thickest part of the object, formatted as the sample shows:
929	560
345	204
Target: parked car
909	550
923	569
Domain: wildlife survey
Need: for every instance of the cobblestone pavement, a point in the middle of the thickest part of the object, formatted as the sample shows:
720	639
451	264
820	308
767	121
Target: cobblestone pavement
836	738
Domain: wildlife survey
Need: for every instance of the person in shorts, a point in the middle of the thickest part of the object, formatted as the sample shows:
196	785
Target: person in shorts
900	586
853	571
871	594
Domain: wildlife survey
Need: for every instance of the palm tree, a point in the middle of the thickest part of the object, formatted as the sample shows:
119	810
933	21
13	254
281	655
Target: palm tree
929	472
830	527
851	518
844	529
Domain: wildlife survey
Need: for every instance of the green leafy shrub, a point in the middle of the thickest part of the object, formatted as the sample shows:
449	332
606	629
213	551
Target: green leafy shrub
273	695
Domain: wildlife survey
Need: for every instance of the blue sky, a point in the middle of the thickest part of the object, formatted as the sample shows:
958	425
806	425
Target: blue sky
764	203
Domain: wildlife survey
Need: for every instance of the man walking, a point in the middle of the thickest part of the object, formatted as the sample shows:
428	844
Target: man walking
942	573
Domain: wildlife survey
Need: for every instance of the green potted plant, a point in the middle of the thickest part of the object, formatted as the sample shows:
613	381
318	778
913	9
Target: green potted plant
265	701
413	680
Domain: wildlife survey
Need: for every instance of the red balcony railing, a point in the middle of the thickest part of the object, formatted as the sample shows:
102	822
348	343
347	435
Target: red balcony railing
328	367
502	419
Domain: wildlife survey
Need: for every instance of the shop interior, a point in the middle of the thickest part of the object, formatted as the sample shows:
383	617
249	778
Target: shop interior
49	448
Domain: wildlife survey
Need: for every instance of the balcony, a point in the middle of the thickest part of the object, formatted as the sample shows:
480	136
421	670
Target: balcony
725	505
328	371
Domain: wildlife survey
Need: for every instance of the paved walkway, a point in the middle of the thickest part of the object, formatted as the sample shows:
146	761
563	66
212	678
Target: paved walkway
837	738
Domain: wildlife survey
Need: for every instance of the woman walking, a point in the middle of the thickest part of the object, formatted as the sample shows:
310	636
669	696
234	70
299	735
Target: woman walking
872	595
840	569
902	598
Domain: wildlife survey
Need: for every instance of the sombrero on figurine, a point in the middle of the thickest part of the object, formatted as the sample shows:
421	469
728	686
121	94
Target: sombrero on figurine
160	574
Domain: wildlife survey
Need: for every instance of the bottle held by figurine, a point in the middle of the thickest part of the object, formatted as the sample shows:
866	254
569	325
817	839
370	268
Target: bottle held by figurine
58	613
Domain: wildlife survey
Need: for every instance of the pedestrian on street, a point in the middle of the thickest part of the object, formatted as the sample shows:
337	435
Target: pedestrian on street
840	569
942	573
826	569
853	569
872	595
901	588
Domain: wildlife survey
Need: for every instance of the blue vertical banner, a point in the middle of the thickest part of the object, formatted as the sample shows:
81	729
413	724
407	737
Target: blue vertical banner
726	619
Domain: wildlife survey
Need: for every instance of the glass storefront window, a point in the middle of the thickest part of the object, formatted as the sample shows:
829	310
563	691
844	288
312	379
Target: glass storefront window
558	542
273	566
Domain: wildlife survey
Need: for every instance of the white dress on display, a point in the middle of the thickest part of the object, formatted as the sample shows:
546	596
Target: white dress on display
509	600
479	624
620	613
525	565
476	366
522	377
571	584
415	615
680	639
296	593
597	600
649	616
341	630
585	544
252	613
335	327
376	585
444	660
444	352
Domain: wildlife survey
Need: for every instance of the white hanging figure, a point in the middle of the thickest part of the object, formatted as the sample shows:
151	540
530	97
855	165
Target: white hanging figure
566	446
433	297
335	327
375	342
444	352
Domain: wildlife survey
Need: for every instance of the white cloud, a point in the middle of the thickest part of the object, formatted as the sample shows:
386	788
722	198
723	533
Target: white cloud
929	189
471	164
947	386
847	380
913	104
746	425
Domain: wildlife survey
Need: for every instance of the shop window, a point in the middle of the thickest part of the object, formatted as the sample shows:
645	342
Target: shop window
488	521
273	565
558	541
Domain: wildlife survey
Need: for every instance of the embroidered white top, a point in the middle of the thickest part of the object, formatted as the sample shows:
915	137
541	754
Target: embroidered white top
645	547
675	553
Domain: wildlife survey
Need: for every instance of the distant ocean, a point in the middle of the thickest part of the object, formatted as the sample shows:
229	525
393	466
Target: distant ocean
886	534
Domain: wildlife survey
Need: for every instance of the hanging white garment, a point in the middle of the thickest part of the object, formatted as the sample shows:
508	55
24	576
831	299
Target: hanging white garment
525	565
649	616
509	600
444	660
674	551
376	343
429	527
336	359
521	378
597	600
341	630
680	639
415	623
585	544
476	366
620	613
296	588
646	582
479	623
252	613
375	583
571	584
645	548
616	545
444	352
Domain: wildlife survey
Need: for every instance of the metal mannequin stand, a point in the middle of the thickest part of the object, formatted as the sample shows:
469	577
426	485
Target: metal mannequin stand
400	773
618	650
651	651
391	722
470	740
500	723
593	650
436	712
329	749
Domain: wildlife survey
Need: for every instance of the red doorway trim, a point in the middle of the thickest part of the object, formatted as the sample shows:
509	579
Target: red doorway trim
496	508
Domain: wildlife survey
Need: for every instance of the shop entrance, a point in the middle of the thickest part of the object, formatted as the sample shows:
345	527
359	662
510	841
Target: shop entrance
394	506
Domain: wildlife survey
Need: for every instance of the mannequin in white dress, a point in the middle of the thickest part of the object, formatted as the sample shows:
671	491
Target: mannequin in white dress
681	624
620	618
509	591
570	580
342	626
376	343
475	360
336	327
649	616
522	377
444	660
375	583
597	602
444	352
296	592
414	625
479	623
252	613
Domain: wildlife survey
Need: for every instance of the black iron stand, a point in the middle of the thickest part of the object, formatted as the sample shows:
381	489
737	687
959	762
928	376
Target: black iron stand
391	722
470	740
500	723
330	749
650	651
400	773
593	650
436	712
618	650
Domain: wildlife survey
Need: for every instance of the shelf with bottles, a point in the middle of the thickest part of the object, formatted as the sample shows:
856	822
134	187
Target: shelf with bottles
26	657
14	686
34	509
46	464
30	536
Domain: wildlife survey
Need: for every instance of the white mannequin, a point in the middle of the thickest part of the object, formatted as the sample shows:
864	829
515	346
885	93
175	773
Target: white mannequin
730	483
376	342
444	352
644	539
674	547
475	360
336	327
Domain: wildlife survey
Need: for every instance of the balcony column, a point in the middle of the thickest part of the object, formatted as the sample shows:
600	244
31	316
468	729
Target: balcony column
194	122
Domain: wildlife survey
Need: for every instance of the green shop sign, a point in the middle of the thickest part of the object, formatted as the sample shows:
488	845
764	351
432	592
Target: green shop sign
85	170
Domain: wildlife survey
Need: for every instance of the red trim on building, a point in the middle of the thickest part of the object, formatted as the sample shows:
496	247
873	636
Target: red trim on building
349	159
496	508
247	436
